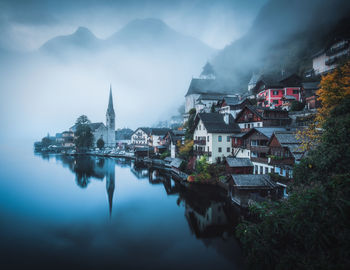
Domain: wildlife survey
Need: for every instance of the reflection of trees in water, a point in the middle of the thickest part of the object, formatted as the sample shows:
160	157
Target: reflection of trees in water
84	169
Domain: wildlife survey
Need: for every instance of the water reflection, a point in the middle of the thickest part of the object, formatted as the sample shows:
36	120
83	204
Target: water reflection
210	217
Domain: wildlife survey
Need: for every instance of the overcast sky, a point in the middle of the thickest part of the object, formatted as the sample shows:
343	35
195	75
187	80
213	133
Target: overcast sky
27	24
39	95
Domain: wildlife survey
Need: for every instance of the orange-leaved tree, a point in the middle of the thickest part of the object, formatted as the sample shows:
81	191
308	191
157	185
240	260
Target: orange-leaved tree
334	87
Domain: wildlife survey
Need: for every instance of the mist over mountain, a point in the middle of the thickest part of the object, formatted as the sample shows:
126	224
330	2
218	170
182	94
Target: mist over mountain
81	39
148	64
140	35
284	35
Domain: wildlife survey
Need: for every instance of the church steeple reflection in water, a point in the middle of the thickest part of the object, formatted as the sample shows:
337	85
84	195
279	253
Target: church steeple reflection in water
87	168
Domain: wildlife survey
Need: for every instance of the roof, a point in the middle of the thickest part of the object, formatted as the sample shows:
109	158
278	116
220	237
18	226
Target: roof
260	111
246	181
268	131
159	131
203	86
214	123
289	97
287	137
176	162
289	140
211	96
277	80
239	162
311	85
93	126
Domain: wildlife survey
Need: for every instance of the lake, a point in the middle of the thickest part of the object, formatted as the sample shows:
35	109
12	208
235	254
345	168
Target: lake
86	212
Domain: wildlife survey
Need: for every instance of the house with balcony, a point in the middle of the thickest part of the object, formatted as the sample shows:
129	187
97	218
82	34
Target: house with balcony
253	116
232	105
212	135
256	142
331	56
141	137
284	151
272	90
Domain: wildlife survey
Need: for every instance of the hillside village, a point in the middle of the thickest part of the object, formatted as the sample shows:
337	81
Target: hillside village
249	141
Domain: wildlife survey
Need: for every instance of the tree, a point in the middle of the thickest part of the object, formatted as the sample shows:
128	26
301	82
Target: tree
310	230
212	109
335	87
186	150
46	141
189	125
83	135
297	106
100	143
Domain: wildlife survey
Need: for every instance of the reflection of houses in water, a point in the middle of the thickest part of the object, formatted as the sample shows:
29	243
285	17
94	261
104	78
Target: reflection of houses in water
139	170
213	222
207	221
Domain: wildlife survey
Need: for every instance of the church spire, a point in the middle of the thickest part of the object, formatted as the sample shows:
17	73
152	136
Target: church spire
110	101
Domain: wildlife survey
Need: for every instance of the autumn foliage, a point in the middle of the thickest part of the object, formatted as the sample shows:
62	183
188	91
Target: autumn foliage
334	88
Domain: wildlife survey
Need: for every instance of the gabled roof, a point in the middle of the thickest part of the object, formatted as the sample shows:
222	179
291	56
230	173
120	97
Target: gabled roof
289	140
267	131
260	111
159	131
251	181
176	162
238	162
210	96
214	123
278	80
95	126
203	86
311	85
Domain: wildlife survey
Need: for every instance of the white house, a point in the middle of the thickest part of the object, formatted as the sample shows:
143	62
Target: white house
212	135
141	137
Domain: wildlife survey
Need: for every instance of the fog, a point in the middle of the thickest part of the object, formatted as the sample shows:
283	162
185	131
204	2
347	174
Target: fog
47	81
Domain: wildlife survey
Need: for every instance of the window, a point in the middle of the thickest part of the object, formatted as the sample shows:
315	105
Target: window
295	92
253	142
266	170
219	150
208	148
254	154
228	138
220	138
275	93
200	127
207	138
259	124
256	169
275	101
228	149
248	154
261	169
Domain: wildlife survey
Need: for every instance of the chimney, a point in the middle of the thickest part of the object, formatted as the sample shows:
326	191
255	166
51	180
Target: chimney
226	118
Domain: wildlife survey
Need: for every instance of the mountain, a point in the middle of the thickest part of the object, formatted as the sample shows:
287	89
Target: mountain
282	38
153	33
82	39
140	34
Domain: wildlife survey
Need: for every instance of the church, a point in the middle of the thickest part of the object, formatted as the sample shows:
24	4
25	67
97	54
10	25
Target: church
102	131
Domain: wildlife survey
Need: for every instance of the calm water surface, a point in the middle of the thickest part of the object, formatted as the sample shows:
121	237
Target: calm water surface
102	213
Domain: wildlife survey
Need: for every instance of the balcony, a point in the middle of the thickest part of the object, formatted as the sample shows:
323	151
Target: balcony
281	161
202	153
259	159
199	142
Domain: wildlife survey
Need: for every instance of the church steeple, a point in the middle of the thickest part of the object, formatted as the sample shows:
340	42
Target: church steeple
110	115
110	108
